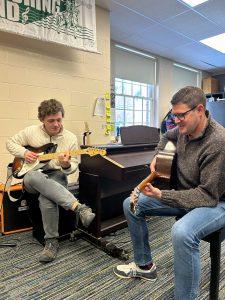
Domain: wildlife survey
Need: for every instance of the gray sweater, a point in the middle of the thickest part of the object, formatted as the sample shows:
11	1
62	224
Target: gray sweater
200	168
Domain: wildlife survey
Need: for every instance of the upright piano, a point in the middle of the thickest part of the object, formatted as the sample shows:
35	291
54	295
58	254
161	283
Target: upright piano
105	181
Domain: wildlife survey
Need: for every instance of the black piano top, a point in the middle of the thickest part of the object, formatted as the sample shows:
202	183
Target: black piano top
120	162
120	148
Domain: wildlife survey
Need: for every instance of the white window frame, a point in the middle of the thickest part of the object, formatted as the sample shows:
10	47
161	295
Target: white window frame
145	100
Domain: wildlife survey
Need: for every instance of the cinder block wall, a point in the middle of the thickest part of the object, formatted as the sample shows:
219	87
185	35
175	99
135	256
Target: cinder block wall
32	71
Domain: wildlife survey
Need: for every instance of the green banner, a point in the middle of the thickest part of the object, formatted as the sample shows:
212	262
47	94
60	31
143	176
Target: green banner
69	22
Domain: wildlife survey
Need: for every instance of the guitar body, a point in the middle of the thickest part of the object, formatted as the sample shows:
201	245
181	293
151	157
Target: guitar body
20	167
164	175
166	169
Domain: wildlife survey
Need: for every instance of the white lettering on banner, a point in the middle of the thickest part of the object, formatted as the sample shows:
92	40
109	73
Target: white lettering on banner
55	6
29	3
13	11
68	22
46	5
2	8
38	4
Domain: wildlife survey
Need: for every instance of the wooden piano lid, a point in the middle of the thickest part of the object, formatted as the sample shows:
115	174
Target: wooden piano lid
119	161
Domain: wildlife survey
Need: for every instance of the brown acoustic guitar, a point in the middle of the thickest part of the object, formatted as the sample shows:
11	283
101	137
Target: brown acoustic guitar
164	164
45	153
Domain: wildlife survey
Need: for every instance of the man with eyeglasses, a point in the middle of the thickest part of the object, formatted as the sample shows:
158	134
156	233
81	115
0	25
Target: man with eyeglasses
198	199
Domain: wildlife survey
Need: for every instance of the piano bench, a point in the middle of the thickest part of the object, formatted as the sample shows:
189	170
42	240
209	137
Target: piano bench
214	239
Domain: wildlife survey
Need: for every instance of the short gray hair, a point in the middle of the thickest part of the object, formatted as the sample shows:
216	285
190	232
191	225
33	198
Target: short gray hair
189	95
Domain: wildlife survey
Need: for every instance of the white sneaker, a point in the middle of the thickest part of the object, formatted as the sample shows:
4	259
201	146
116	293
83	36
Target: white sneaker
132	270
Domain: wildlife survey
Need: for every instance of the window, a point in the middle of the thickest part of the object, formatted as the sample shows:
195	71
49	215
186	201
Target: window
134	103
133	76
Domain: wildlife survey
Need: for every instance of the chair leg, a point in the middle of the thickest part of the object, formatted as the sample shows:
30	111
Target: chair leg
215	253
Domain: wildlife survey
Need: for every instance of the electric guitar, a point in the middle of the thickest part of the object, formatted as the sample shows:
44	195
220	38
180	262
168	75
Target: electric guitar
45	153
165	161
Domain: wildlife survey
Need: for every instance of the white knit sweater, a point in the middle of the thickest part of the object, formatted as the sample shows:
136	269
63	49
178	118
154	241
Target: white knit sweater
36	136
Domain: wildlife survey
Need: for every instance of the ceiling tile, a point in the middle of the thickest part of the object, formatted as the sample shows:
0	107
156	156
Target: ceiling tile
217	60
193	26
129	21
169	28
214	11
197	50
158	10
168	38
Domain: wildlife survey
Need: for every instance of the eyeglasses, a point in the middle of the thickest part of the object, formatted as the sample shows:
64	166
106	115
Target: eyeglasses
181	116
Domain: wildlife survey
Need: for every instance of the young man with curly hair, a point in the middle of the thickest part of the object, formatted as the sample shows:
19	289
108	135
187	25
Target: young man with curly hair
50	182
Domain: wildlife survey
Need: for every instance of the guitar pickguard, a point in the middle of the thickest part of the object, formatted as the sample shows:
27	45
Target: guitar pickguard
26	167
20	167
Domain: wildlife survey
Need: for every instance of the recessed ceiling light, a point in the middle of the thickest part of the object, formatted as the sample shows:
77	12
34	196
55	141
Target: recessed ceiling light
194	2
216	42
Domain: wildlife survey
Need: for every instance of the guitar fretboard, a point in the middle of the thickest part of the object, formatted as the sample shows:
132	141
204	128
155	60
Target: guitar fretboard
91	152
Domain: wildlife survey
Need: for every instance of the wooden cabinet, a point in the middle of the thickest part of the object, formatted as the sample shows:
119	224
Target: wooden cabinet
105	197
105	182
210	85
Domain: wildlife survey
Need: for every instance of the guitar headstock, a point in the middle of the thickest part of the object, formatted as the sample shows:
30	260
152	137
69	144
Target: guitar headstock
95	151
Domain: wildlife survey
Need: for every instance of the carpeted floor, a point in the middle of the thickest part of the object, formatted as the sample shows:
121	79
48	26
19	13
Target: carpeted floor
82	271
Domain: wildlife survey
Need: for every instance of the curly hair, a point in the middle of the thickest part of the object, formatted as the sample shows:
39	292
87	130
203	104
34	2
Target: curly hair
50	107
189	95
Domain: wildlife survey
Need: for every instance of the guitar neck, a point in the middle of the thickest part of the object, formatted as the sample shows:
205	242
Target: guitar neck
49	156
148	179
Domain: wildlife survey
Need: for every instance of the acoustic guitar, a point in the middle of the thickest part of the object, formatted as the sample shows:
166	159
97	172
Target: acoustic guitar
165	161
45	153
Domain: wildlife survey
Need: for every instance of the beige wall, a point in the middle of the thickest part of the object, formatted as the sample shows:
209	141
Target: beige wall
32	71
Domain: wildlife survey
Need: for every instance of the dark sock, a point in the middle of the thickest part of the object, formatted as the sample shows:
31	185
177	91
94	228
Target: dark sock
147	267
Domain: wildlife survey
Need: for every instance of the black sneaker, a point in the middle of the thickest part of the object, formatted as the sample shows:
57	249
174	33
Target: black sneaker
50	250
132	270
85	214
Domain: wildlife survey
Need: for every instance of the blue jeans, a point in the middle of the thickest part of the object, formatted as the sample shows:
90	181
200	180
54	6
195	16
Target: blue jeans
53	192
186	235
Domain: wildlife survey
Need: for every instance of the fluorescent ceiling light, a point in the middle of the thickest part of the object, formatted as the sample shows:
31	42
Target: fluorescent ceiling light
194	2
134	51
186	68
216	42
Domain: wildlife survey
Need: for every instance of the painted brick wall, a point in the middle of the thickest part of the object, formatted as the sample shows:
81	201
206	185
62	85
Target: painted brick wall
32	71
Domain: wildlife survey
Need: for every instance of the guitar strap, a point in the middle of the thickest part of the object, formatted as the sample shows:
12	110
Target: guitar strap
8	184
